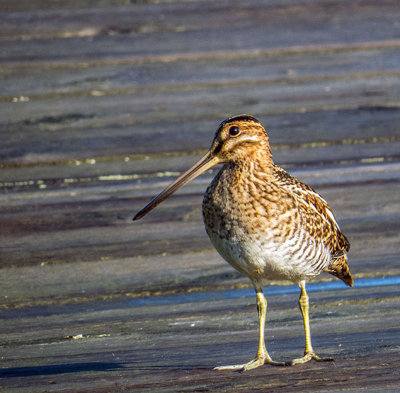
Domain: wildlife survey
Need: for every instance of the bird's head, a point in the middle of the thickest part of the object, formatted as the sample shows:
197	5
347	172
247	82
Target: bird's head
237	138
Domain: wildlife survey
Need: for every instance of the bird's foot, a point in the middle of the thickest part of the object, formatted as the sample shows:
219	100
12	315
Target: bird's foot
309	356
256	362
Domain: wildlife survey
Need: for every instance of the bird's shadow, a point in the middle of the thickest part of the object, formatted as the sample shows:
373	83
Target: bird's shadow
15	372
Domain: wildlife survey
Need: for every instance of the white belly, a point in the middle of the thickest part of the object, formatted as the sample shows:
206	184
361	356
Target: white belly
263	259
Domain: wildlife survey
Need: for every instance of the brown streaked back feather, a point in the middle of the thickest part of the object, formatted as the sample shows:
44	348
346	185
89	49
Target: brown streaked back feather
320	223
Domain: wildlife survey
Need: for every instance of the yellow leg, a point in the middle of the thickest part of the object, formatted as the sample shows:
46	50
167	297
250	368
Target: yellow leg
262	356
305	307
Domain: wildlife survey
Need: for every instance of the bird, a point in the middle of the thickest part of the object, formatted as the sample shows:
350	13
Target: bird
263	221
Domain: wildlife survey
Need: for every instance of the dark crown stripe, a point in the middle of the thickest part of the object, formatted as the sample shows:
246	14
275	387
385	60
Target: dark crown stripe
239	118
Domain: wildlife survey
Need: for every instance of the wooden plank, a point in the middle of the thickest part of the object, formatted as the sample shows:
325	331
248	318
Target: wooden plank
279	97
120	172
85	123
217	26
168	273
195	73
38	5
69	19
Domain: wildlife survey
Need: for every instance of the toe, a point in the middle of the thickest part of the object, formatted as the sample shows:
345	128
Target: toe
256	362
309	356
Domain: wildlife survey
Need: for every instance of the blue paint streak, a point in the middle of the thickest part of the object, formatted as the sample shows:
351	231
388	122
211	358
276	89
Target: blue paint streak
269	290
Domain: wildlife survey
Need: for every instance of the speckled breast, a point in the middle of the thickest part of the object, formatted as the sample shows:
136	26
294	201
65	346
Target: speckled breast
256	229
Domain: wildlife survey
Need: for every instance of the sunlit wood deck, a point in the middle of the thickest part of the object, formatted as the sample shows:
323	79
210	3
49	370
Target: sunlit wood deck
103	104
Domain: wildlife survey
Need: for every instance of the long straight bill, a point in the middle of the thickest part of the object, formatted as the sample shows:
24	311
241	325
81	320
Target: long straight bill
197	169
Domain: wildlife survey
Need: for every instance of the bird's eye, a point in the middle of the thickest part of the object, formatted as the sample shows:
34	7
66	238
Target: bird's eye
234	131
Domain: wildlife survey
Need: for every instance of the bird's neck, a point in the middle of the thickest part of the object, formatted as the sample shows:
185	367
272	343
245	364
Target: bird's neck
255	161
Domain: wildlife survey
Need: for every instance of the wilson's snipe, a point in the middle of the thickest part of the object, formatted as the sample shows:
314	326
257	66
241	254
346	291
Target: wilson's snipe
264	222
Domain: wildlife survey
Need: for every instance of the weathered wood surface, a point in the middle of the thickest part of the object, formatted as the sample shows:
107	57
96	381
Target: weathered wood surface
102	104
